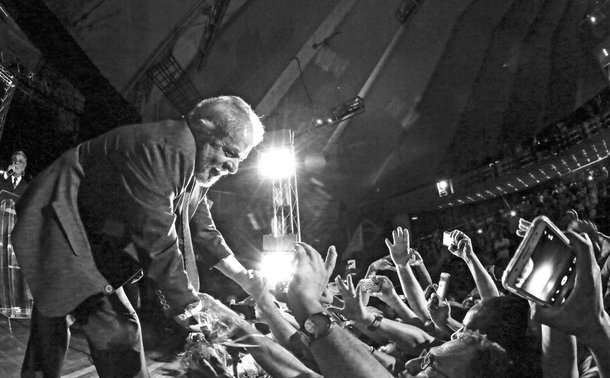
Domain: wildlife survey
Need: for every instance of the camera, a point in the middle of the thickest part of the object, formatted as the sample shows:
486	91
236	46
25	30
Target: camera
543	268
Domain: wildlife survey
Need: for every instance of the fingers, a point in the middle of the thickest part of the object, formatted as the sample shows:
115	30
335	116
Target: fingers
388	243
330	261
335	310
312	254
341	285
583	249
523	224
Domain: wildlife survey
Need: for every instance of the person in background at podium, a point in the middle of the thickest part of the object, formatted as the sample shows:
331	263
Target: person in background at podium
13	179
129	202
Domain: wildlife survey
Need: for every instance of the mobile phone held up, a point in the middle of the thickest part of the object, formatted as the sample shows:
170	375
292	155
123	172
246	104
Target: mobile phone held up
443	282
447	239
370	284
543	268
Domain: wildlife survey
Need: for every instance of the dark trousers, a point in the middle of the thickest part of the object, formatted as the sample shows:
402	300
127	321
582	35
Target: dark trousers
113	333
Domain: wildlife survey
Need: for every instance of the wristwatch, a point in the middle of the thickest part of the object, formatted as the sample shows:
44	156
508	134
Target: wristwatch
375	323
318	325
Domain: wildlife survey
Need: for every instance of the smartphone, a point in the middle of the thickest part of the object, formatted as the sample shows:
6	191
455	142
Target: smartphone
543	268
447	239
369	284
443	282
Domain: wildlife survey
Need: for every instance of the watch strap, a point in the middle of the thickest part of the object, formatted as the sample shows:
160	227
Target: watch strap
376	322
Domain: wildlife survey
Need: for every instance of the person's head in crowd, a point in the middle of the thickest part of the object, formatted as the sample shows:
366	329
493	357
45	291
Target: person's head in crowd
226	129
503	320
18	164
469	355
471	300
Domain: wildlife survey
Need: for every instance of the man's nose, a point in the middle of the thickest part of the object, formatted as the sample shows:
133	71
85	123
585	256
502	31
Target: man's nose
231	166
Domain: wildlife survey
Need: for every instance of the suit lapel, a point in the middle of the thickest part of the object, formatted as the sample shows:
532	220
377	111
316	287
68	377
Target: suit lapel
190	263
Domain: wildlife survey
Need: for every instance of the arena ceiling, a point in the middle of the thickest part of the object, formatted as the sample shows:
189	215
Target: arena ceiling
445	84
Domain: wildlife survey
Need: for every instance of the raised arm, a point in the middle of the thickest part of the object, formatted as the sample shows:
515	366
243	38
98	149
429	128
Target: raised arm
558	354
409	338
582	314
337	353
399	251
390	297
418	265
462	248
440	312
276	360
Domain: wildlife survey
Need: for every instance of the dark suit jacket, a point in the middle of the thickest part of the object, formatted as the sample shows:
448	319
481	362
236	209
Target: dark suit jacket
7	184
109	207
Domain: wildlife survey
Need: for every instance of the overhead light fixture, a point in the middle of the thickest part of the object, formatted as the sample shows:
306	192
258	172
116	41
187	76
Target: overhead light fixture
341	112
444	187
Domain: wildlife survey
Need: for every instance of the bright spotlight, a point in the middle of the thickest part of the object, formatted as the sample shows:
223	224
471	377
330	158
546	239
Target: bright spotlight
277	266
593	19
513	213
277	163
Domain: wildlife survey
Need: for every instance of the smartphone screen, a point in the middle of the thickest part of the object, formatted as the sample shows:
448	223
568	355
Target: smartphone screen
546	274
447	239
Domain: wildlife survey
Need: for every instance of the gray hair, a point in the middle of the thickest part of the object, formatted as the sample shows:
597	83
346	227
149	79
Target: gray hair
229	115
20	153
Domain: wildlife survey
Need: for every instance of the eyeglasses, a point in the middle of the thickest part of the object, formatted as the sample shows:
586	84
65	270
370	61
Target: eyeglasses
428	362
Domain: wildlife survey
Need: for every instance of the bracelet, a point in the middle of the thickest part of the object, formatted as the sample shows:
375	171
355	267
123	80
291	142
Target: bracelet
375	323
371	349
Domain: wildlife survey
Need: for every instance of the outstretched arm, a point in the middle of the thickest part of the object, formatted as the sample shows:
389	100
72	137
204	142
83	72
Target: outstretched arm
462	247
337	353
399	251
276	360
582	314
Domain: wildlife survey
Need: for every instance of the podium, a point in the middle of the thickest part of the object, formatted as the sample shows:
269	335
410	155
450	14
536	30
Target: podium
15	297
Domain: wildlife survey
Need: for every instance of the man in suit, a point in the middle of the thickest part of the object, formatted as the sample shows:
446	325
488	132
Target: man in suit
13	179
132	200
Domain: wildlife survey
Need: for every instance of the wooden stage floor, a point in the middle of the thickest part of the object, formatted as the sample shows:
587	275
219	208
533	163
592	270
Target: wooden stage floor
77	365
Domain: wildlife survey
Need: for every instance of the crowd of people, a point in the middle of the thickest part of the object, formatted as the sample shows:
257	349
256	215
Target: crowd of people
332	327
132	203
492	224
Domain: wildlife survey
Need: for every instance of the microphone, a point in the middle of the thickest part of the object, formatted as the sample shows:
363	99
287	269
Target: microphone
10	171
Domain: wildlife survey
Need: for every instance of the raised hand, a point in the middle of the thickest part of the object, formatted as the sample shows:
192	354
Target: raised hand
353	305
384	263
399	247
309	280
524	226
440	311
387	290
462	245
582	313
415	258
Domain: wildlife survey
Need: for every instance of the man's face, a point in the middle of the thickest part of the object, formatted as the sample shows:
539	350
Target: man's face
19	163
452	359
221	157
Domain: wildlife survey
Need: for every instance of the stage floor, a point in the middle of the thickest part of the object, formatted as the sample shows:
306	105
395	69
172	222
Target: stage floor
161	362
